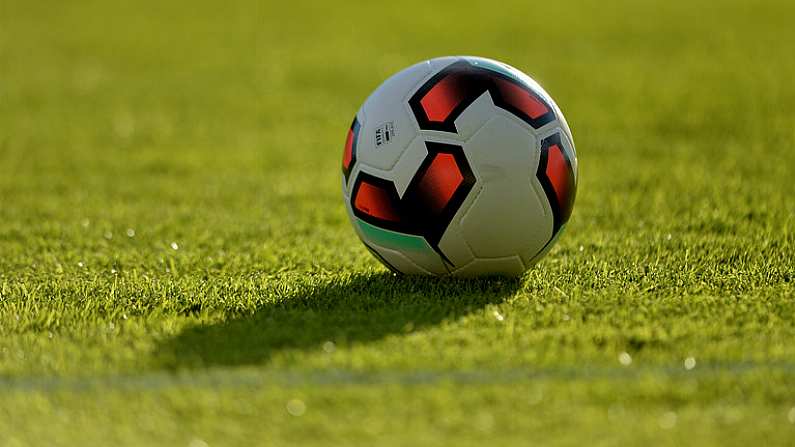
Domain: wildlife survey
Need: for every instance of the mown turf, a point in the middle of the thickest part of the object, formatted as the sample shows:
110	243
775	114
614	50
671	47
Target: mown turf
176	267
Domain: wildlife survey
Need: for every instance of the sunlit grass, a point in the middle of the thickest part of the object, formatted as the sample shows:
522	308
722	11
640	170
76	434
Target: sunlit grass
176	266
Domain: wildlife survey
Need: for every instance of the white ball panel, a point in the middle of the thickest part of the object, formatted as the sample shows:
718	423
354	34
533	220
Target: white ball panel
429	260
386	107
506	217
508	266
475	116
406	166
352	219
399	261
454	245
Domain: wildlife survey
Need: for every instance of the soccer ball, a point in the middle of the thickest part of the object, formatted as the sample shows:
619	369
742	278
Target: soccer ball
459	166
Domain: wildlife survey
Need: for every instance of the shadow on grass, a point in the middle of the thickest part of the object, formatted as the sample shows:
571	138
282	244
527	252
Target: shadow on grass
365	308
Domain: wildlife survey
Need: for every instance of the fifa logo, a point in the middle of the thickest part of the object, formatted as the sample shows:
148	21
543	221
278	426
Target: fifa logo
384	134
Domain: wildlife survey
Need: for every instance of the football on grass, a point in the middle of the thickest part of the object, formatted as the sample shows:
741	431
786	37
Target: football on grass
459	166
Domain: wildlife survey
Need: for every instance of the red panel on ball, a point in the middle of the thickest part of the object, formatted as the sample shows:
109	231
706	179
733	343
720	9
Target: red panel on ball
562	179
347	155
440	181
376	202
443	98
521	99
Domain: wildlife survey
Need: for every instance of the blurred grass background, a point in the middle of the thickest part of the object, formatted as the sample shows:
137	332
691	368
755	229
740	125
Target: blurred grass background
176	267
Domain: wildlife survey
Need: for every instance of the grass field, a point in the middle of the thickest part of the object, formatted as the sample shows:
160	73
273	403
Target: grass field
176	266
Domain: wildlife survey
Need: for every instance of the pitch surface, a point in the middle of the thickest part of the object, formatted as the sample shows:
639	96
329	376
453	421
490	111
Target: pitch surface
176	267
